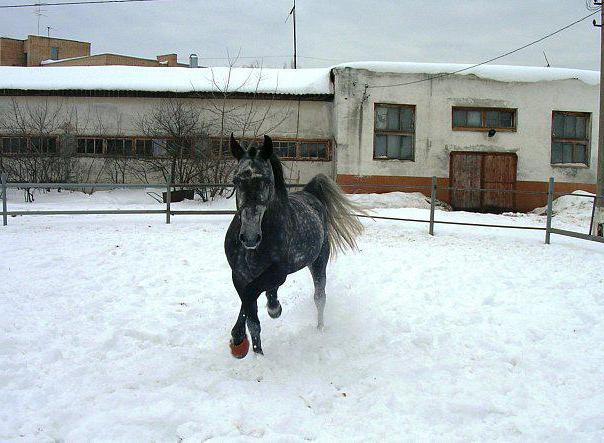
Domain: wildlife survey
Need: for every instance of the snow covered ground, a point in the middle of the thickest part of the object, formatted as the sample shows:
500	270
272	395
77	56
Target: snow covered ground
117	328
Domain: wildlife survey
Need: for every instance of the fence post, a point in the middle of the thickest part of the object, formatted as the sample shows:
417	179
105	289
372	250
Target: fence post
4	188
168	198
550	200
432	204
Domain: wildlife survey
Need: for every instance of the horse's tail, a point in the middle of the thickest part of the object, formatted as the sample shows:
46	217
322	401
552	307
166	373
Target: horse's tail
343	225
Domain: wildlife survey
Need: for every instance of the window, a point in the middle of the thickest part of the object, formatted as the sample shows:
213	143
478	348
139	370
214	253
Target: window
13	145
178	148
570	137
143	148
119	147
296	150
43	145
54	53
484	119
30	145
394	132
313	150
90	146
285	149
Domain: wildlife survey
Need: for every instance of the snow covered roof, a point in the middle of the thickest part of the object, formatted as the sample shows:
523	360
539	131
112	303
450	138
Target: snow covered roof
249	80
179	80
503	73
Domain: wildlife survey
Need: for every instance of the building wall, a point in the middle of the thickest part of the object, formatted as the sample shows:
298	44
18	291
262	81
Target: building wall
12	52
434	137
120	116
38	49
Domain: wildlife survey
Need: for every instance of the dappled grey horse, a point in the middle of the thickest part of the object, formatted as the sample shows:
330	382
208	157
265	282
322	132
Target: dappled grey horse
274	234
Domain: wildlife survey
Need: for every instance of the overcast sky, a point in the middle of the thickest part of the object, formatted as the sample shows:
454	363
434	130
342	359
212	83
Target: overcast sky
330	31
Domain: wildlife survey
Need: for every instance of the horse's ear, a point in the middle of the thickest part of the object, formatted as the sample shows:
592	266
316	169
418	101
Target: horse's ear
236	148
267	148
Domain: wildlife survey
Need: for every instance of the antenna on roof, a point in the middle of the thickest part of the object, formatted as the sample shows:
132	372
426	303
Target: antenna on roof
546	60
48	28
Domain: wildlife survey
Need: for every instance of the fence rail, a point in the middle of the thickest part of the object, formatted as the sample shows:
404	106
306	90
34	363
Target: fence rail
169	212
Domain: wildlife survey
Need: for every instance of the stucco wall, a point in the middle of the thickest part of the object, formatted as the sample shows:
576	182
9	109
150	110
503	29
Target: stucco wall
119	116
434	137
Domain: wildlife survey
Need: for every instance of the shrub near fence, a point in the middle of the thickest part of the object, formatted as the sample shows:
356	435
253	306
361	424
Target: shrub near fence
169	212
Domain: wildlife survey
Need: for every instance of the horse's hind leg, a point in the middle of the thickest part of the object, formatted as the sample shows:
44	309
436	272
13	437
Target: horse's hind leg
272	303
318	271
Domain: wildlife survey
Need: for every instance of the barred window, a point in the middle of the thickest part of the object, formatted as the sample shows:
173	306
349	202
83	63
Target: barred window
570	137
394	132
285	148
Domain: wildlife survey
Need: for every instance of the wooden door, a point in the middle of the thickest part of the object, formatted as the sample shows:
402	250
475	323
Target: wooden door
499	172
465	174
485	170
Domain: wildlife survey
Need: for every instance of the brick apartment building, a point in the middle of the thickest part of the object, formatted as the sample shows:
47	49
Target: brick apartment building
37	50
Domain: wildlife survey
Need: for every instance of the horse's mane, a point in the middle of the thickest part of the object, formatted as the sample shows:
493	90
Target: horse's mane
278	174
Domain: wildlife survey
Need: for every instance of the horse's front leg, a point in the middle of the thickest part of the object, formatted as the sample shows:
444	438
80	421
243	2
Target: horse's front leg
239	343
272	303
250	306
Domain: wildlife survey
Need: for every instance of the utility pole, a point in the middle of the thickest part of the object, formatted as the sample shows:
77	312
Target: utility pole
599	203
38	13
293	14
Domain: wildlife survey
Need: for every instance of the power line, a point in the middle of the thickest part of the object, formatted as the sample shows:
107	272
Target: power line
489	60
91	2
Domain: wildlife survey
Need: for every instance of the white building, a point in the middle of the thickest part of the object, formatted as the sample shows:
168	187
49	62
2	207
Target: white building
365	124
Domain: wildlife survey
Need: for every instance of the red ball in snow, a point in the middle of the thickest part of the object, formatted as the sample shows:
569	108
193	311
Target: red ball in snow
240	350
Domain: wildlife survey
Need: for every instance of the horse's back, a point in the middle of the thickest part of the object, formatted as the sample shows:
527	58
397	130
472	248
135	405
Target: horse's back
307	230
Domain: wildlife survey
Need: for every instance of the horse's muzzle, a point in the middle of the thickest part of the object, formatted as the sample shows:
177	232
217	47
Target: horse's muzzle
250	233
250	243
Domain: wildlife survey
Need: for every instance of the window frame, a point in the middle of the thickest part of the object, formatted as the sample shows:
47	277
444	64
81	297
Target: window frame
377	132
483	119
133	153
28	148
298	147
574	141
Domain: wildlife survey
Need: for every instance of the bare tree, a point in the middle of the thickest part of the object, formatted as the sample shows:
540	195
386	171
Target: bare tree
248	118
181	150
30	153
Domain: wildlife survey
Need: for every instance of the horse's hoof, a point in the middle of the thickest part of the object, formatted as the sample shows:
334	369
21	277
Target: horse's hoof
258	351
240	350
274	312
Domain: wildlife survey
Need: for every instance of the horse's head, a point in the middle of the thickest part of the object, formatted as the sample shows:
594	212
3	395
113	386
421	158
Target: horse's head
255	186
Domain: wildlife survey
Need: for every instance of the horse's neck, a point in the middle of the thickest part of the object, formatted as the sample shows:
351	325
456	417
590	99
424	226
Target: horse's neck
278	210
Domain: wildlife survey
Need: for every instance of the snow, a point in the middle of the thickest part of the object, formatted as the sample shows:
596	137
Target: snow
117	328
251	80
50	61
571	209
172	79
396	200
502	73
